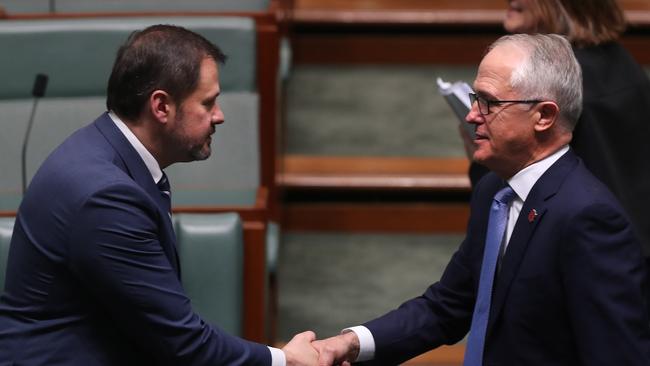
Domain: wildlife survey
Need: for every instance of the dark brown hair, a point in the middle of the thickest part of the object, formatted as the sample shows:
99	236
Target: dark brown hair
160	57
583	22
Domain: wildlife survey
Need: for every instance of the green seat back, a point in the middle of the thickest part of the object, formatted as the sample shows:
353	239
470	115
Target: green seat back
211	252
77	54
95	6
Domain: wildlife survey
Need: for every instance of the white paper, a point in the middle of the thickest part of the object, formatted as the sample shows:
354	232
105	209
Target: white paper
457	96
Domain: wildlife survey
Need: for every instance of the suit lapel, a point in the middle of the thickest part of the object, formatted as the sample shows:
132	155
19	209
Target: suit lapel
527	222
137	170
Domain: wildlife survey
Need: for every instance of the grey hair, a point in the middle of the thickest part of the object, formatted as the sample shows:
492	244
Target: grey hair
549	72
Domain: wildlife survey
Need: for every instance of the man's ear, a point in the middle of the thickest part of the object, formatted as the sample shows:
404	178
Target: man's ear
161	105
547	115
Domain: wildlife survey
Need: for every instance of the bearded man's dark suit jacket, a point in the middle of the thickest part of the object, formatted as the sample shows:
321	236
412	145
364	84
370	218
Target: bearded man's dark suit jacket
93	276
568	292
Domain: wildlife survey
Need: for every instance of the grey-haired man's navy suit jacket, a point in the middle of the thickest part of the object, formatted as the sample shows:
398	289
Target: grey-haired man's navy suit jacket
568	291
93	276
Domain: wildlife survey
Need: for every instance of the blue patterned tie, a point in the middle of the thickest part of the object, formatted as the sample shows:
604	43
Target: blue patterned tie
496	228
165	192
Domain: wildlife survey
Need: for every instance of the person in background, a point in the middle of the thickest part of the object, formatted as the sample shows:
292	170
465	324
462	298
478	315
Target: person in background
612	131
93	276
550	271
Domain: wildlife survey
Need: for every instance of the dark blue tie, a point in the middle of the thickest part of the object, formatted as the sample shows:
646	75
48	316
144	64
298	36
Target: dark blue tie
496	228
165	192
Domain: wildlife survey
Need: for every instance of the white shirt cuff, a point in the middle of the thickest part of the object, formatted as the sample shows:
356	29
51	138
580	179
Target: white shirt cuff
277	357
366	342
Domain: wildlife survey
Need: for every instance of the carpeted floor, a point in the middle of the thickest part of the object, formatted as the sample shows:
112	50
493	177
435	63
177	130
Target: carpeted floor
330	281
371	111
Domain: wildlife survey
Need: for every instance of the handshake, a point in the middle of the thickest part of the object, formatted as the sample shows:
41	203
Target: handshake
305	350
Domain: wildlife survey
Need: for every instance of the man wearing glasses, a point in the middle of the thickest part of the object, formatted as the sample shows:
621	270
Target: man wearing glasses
550	272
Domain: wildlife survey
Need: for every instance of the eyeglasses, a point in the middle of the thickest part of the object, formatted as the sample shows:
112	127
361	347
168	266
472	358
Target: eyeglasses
484	104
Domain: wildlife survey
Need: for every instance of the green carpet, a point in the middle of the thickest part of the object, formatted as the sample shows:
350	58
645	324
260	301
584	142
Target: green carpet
371	111
328	281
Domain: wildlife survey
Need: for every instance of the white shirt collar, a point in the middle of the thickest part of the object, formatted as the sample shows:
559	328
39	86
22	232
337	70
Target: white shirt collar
525	179
149	160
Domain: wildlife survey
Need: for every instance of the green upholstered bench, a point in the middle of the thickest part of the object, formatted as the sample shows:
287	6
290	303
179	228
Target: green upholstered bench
78	53
78	6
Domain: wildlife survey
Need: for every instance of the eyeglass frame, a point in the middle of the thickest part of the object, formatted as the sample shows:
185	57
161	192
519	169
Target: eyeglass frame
474	98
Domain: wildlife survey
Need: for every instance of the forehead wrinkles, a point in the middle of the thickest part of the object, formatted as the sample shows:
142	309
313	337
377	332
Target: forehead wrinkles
496	69
495	83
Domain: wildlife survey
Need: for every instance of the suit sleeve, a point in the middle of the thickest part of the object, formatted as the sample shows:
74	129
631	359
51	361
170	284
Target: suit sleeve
443	314
603	279
115	251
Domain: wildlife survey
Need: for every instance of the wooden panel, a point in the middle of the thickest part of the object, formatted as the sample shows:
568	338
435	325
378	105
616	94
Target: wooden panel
376	217
268	58
255	281
416	49
639	47
374	173
394	48
418	31
402	17
428	4
425	11
300	164
398	4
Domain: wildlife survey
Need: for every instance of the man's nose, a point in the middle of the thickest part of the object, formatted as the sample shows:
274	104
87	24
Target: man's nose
217	116
474	116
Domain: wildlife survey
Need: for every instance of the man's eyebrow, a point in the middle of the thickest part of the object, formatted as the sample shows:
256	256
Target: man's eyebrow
213	96
484	94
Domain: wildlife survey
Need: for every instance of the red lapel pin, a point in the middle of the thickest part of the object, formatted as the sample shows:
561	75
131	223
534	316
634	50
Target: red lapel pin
532	215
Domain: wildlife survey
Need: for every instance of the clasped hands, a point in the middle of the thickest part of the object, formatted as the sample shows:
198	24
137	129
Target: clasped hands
305	350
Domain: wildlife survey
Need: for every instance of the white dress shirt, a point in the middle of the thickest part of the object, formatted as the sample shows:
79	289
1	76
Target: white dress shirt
149	160
277	355
521	183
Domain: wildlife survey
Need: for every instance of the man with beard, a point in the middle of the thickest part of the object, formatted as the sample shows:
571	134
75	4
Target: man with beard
93	275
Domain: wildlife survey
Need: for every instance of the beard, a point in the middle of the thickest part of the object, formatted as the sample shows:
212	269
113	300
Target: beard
200	152
193	148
